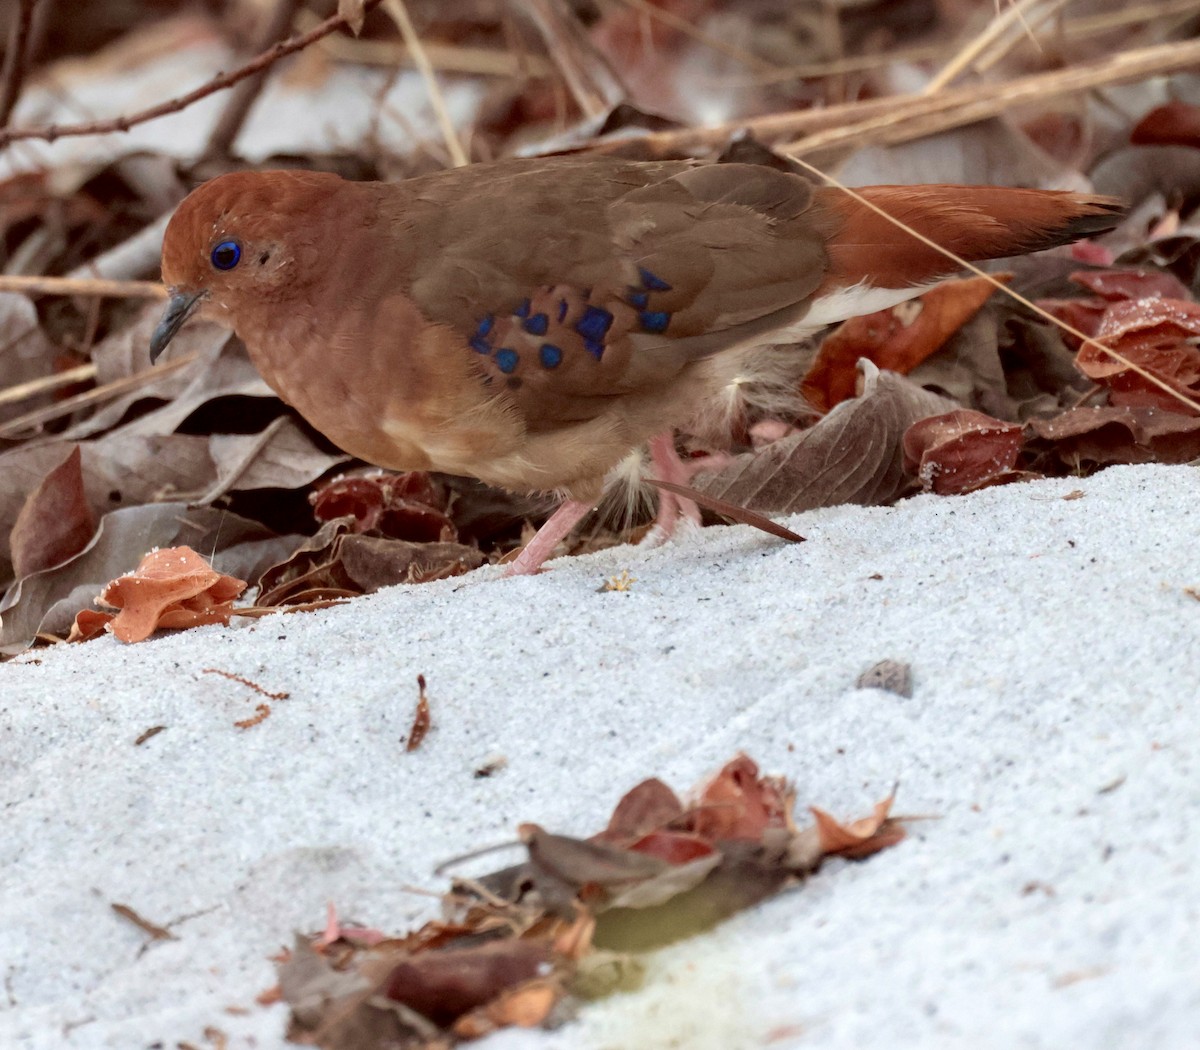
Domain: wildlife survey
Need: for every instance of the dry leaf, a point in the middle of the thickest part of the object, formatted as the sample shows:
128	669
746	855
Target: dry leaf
852	455
896	340
170	588
56	522
859	838
961	451
1120	435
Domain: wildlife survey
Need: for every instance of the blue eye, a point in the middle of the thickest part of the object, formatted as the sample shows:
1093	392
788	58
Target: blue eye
226	255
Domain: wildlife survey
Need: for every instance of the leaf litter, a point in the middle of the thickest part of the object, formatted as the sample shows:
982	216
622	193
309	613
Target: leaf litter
527	945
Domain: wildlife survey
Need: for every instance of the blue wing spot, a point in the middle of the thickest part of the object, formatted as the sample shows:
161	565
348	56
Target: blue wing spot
536	324
562	310
523	309
506	360
638	300
550	355
481	346
654	320
652	282
485	326
594	348
594	324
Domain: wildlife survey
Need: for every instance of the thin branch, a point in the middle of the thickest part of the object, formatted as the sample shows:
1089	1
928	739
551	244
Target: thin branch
51	132
1086	340
399	14
16	59
242	97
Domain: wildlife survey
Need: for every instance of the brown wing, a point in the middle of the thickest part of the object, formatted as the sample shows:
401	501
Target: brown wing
578	281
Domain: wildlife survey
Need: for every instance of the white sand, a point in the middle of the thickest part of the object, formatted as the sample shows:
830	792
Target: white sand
1053	728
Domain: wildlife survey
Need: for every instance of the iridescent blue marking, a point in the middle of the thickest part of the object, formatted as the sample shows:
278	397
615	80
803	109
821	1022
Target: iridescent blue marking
652	282
654	320
594	324
562	310
637	300
550	355
506	360
481	346
485	326
523	309
594	348
537	324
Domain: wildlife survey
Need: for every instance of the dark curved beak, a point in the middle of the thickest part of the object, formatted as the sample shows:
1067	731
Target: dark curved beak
180	307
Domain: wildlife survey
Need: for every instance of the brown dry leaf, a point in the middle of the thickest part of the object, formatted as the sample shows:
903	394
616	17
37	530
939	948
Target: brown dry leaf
897	339
859	838
961	451
422	719
1120	435
56	522
170	588
337	564
852	455
443	985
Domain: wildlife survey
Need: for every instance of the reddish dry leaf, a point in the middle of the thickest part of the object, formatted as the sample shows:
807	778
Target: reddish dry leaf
1115	284
445	984
859	838
648	807
1175	124
897	339
1157	334
675	847
739	804
406	506
170	588
961	451
1121	435
56	520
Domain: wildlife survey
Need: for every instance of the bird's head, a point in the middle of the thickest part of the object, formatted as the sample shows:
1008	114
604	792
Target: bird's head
239	241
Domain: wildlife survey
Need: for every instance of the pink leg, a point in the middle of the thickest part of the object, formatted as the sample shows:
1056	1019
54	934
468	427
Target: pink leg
538	549
672	509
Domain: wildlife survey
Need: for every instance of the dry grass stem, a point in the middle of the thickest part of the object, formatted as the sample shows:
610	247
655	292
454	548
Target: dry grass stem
14	427
993	31
89	286
399	14
673	20
47	384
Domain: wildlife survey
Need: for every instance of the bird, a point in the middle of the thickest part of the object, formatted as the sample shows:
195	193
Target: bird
529	322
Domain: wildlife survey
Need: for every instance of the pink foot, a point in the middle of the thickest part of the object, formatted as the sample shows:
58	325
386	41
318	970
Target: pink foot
674	511
538	549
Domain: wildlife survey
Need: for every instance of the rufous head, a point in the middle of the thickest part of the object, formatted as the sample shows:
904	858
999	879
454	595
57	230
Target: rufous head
238	241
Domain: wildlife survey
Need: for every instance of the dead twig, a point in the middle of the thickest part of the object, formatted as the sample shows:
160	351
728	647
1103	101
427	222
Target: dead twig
16	59
242	97
51	132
